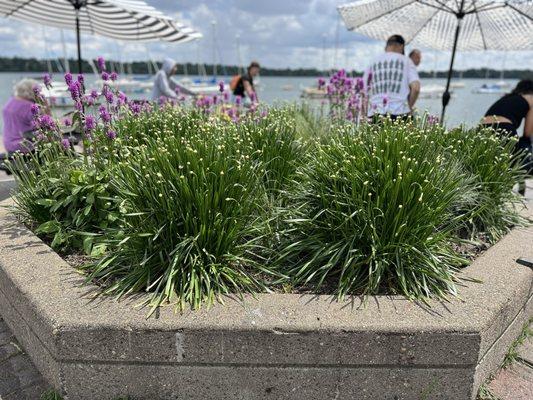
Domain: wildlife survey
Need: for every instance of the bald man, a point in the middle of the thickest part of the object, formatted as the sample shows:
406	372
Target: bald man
416	57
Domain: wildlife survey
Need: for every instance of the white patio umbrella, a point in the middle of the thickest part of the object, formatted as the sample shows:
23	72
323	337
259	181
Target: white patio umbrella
446	24
129	20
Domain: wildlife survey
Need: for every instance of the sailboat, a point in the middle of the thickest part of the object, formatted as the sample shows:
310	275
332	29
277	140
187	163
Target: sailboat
499	87
204	85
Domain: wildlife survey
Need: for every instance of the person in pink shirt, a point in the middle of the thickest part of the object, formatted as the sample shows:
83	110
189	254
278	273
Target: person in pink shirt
18	116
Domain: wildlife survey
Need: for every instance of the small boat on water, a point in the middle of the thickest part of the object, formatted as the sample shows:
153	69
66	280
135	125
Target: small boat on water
493	88
287	88
201	86
432	91
457	85
313	93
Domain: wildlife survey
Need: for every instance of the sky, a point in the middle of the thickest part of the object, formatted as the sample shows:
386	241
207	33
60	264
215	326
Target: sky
277	33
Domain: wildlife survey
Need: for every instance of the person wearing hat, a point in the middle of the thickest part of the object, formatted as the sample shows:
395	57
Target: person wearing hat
392	82
244	85
164	86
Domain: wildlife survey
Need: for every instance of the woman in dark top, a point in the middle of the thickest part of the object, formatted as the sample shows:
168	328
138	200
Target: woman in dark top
506	116
245	85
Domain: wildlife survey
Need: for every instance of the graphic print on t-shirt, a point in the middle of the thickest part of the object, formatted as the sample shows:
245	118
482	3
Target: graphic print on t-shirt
388	76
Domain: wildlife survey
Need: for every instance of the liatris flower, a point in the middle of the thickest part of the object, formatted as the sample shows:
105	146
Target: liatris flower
104	114
67	122
177	90
135	108
34	109
105	76
385	101
122	99
101	64
113	76
221	86
46	122
78	105
66	144
238	100
75	90
36	90
321	83
109	97
111	134
81	79
47	79
94	94
369	79
68	78
226	97
90	123
253	97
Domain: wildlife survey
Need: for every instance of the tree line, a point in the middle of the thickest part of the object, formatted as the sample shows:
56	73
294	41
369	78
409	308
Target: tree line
19	64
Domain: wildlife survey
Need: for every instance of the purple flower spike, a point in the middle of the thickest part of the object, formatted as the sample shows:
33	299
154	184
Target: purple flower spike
105	76
46	122
90	123
68	78
101	64
113	76
66	144
111	134
221	86
67	122
34	109
109	97
81	79
104	114
238	100
321	83
47	79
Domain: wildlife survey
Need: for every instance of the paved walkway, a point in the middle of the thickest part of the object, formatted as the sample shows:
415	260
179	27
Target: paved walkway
516	381
19	379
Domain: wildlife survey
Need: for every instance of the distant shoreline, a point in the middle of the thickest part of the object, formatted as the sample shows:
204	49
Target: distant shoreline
20	65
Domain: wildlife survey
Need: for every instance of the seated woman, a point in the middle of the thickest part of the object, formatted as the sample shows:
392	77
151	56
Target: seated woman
506	116
18	118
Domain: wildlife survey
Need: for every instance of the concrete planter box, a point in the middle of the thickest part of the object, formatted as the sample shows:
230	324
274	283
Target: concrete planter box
272	347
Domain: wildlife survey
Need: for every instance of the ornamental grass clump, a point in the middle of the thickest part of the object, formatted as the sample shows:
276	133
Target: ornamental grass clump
491	162
371	213
191	222
272	140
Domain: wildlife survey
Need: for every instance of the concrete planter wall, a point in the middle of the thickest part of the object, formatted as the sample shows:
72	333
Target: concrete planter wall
271	347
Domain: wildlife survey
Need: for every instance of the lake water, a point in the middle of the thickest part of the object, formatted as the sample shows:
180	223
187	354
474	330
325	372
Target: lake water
465	106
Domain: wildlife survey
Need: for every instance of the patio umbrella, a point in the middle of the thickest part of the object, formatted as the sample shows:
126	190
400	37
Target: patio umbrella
446	25
129	20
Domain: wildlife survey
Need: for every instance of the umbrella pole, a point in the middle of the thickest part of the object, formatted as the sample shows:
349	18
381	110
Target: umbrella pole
78	38
446	95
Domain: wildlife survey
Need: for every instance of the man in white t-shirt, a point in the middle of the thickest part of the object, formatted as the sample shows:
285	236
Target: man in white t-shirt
392	82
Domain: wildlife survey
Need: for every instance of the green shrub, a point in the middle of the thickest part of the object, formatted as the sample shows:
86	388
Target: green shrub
490	161
191	219
67	200
372	212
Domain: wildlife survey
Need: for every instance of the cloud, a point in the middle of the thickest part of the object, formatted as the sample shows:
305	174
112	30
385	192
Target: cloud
278	33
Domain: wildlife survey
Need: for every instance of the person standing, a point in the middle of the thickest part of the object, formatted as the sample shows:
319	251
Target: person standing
506	115
392	82
244	85
416	57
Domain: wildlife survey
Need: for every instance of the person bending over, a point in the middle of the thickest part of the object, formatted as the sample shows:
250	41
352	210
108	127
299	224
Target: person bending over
164	86
506	116
245	84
